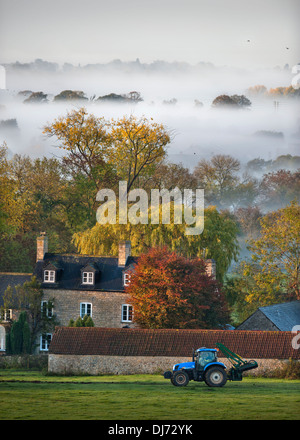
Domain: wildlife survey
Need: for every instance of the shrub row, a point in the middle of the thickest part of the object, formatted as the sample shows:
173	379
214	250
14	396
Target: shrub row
24	362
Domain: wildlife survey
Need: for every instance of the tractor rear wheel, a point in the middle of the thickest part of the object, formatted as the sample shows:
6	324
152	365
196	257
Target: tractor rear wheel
215	377
180	379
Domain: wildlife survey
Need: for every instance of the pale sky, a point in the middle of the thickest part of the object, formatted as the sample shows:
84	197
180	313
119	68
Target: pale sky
97	31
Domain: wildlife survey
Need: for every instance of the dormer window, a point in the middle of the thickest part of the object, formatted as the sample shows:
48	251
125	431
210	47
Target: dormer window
49	276
51	272
87	278
89	274
126	278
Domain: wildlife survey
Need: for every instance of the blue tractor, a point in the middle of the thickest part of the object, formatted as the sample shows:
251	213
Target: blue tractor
206	367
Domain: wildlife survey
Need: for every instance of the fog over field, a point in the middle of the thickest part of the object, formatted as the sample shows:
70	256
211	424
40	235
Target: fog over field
167	50
198	130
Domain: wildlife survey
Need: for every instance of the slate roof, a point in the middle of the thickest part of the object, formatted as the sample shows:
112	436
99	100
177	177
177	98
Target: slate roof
109	277
173	343
11	279
285	316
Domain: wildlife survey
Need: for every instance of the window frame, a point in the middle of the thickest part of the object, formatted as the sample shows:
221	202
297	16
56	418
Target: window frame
126	278
2	339
47	278
44	341
85	305
6	315
89	275
127	310
45	310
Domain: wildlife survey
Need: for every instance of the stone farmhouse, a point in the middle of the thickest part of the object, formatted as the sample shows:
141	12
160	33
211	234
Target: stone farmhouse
80	285
86	285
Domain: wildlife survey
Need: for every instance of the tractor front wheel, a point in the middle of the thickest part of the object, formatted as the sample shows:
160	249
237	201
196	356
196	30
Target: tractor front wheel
215	377
180	379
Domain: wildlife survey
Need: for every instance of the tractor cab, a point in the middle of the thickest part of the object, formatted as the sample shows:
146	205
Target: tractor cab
204	356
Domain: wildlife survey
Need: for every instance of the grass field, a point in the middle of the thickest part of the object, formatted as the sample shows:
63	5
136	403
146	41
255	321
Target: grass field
33	396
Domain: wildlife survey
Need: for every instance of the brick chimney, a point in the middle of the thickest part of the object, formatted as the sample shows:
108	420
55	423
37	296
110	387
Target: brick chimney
41	246
124	252
211	268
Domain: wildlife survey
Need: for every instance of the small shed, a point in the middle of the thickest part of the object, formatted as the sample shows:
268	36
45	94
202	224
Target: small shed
283	317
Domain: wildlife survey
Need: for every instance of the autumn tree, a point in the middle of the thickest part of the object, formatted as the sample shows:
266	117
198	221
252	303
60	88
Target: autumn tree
241	100
171	291
218	239
224	101
138	146
285	162
70	95
238	288
13	212
249	221
279	188
274	269
243	194
257	166
93	146
258	90
99	153
170	175
234	101
32	197
217	176
288	92
85	140
36	97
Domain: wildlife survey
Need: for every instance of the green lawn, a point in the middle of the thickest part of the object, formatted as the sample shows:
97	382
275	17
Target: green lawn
33	396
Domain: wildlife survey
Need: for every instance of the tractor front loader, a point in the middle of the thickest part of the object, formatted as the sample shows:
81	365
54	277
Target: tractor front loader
239	365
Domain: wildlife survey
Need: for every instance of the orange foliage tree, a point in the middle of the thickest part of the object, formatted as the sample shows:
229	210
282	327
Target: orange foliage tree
171	291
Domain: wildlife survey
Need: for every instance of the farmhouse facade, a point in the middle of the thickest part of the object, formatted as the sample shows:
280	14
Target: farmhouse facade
80	285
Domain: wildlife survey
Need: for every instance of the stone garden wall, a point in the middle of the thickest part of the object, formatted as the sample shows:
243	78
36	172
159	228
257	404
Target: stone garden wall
97	365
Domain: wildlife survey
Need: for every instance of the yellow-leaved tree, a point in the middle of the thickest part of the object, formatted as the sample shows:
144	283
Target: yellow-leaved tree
98	153
217	241
138	146
272	275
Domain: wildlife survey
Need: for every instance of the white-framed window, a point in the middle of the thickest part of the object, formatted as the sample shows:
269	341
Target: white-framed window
5	314
2	338
127	313
87	278
85	309
49	276
45	340
47	309
126	279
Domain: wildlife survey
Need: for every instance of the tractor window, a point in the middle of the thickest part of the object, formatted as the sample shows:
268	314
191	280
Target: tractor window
206	356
